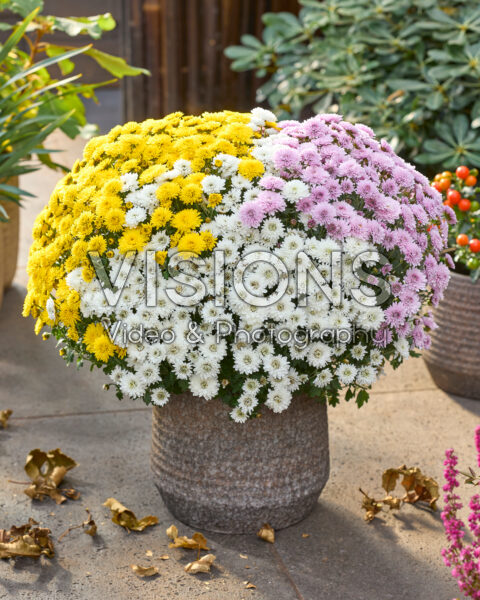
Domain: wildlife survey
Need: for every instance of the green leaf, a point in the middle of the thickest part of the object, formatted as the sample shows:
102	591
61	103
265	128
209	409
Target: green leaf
22	7
114	64
92	26
66	66
434	100
16	35
407	85
362	397
43	64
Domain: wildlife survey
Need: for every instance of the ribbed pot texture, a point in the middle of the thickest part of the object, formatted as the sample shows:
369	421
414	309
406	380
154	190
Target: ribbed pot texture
229	477
454	357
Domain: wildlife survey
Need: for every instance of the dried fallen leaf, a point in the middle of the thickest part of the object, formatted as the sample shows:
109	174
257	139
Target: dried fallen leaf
126	518
202	565
89	527
267	533
250	586
47	470
26	540
305	535
164	557
172	532
196	542
149	553
243	556
144	571
371	505
4	416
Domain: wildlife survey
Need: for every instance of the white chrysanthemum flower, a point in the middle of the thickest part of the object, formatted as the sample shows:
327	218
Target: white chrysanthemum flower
183	370
160	396
149	373
205	387
183	166
402	346
131	385
260	115
358	351
251	386
246	360
370	318
240	182
346	373
238	415
212	184
323	378
278	399
229	165
295	189
319	355
50	308
75	280
117	374
277	366
129	181
376	357
134	216
247	402
366	376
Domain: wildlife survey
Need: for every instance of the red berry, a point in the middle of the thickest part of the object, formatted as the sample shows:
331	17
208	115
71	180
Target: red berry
464	204
454	196
462	239
475	245
462	172
471	180
437	186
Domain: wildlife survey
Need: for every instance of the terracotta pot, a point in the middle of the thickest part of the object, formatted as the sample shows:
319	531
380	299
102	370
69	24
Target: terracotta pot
454	357
228	477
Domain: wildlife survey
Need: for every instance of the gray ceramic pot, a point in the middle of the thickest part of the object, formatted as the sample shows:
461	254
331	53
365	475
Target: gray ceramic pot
454	357
229	477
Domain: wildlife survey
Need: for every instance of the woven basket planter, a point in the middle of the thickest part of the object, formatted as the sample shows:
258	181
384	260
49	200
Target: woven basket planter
227	477
454	357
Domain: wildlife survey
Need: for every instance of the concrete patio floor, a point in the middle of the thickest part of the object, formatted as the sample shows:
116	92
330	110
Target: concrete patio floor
408	420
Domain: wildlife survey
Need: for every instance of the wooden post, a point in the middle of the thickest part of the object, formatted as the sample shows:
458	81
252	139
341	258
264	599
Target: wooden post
182	42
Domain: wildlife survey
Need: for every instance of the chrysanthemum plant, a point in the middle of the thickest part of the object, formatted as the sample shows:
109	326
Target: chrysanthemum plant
238	258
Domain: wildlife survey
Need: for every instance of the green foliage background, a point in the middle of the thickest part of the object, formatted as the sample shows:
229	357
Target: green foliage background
410	69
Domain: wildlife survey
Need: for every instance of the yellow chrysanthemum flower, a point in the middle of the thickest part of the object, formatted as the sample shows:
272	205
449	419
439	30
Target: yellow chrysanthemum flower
186	220
250	168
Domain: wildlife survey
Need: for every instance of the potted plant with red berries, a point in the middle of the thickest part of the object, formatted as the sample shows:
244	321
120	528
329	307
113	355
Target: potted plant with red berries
454	354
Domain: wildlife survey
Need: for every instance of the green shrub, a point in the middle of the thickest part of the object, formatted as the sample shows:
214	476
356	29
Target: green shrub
408	68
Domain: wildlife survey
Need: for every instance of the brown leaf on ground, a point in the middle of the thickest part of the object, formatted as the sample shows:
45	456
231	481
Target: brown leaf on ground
392	502
126	518
89	527
267	533
202	565
196	542
47	470
144	571
4	416
164	557
371	505
26	540
305	535
250	586
172	532
419	487
389	479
